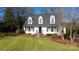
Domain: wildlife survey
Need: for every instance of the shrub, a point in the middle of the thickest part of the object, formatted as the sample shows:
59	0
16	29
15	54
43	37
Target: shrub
20	31
2	34
29	34
49	34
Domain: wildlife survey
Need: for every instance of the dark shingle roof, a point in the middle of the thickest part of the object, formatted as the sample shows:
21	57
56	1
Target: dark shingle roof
46	21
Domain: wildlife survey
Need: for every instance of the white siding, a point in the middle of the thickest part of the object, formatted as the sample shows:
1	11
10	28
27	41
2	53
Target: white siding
64	30
29	32
48	29
44	30
24	28
36	30
54	29
52	32
32	31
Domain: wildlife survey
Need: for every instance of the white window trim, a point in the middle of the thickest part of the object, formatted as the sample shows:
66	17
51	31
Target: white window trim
52	19
30	19
40	21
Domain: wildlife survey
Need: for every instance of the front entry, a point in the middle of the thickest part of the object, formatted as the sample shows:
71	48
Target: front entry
40	30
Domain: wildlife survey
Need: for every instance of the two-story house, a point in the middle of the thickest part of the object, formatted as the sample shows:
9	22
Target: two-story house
43	24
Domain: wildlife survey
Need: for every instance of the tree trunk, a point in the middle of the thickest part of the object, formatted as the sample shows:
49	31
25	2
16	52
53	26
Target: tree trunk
62	35
71	38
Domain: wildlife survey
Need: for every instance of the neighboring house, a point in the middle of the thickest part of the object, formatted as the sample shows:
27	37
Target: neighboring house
43	24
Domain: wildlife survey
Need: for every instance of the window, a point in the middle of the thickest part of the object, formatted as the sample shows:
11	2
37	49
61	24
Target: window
30	28
52	20
51	29
25	28
48	29
57	29
29	20
40	20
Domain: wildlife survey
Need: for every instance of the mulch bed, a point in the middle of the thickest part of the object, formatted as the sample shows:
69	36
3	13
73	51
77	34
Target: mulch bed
35	36
65	42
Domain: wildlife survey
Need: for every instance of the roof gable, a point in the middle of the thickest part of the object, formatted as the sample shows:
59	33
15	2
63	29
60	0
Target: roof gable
46	20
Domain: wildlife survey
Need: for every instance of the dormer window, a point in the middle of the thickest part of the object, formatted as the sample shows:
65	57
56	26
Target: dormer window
30	20
40	20
52	19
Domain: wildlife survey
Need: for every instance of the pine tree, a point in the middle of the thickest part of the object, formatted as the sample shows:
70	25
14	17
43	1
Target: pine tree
8	18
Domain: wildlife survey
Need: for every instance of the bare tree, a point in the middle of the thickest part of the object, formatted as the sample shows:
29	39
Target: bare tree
73	25
20	13
58	12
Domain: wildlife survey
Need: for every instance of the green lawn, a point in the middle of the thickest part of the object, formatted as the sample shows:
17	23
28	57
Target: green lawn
17	43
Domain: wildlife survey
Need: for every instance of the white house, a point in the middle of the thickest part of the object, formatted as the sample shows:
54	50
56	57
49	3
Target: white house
42	24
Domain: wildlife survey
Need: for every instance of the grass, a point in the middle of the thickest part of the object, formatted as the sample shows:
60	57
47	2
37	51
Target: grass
21	43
